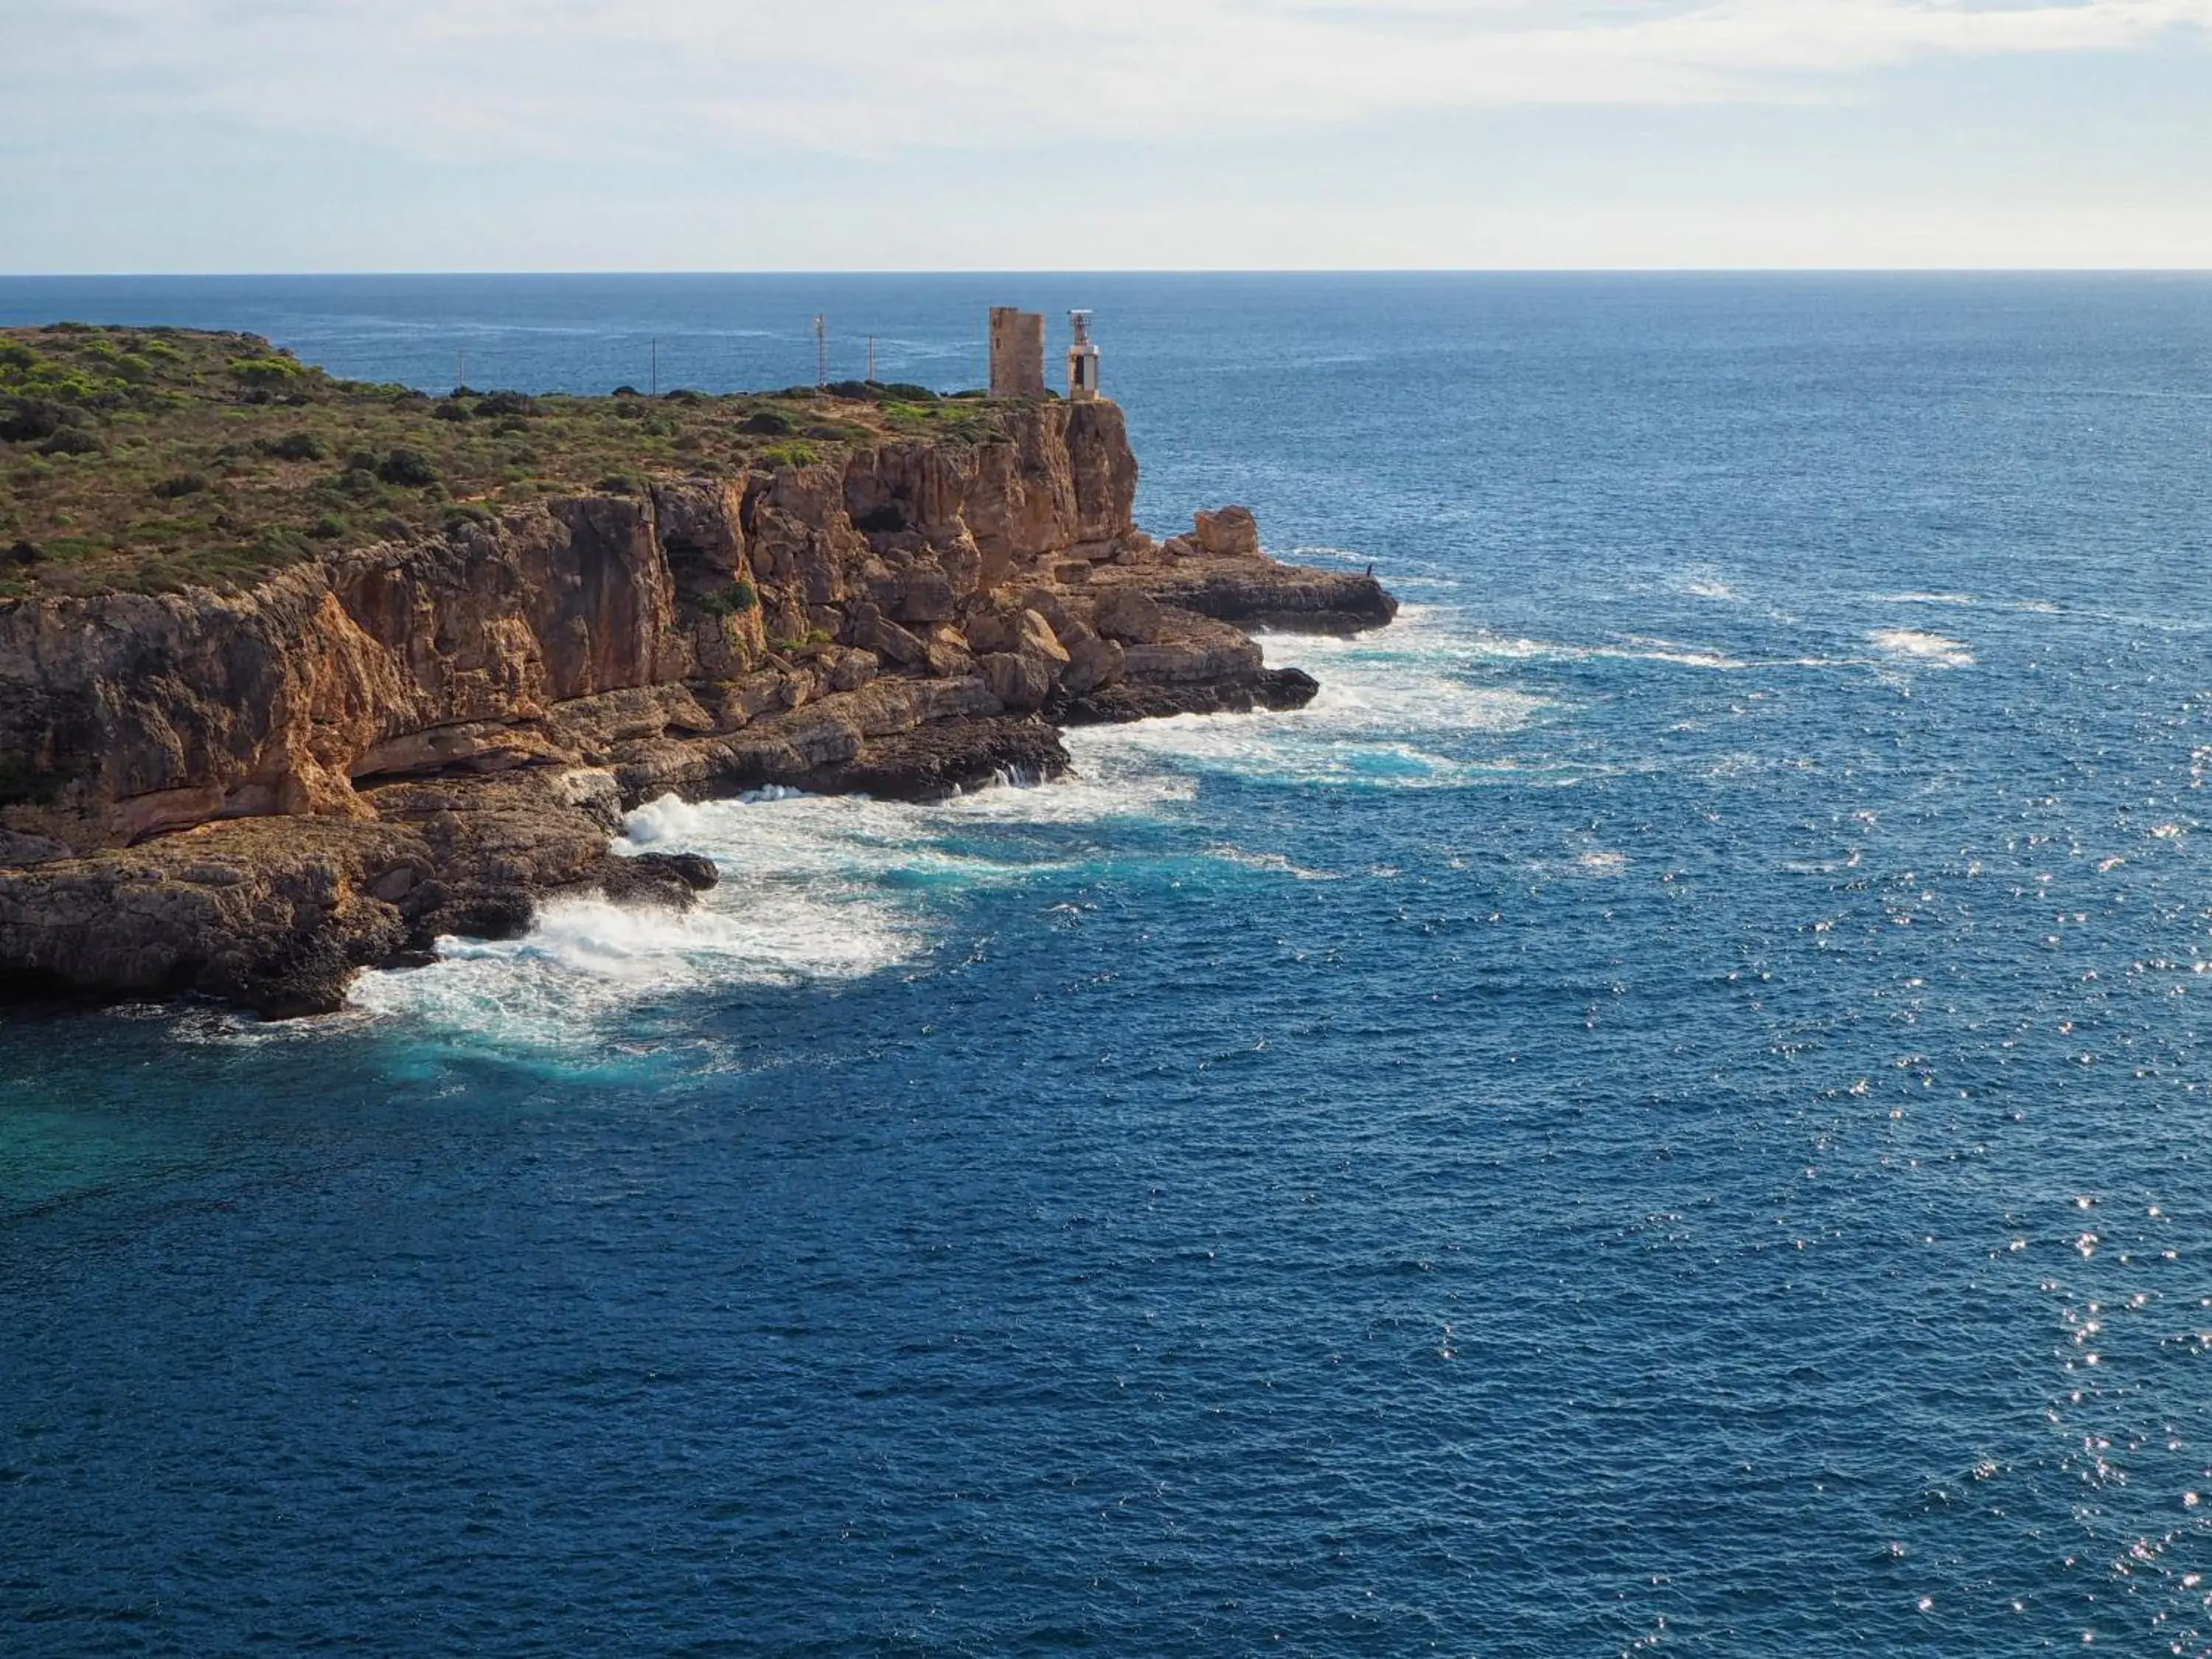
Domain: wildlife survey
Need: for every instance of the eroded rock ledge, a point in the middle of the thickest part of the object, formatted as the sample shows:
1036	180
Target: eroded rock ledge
253	796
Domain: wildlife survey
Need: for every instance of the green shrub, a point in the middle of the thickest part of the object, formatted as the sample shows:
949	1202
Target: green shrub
181	485
508	404
409	469
70	440
767	423
295	447
619	484
451	409
279	544
791	455
738	596
266	373
27	420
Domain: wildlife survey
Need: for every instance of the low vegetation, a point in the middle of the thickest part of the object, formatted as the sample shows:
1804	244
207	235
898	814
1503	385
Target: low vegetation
149	460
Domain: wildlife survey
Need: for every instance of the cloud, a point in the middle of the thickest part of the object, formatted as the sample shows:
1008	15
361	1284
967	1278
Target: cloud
649	79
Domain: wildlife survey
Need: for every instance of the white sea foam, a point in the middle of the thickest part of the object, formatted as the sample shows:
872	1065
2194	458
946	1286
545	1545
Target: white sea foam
1275	862
1918	598
1634	650
813	889
1917	644
1388	702
585	961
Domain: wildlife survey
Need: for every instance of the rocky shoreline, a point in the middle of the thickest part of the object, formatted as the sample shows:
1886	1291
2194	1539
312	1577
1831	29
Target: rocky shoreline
251	796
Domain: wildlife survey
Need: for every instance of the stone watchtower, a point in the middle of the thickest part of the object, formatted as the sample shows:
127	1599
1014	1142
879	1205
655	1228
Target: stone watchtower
1017	353
1082	359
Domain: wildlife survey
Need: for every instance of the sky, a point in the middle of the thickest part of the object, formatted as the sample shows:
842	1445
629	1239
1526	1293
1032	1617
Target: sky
183	136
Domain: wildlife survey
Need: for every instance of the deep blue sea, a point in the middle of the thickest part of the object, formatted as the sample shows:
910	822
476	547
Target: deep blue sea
1668	1112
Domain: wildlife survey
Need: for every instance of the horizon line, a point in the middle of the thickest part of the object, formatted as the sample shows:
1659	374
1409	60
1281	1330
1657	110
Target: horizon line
1140	271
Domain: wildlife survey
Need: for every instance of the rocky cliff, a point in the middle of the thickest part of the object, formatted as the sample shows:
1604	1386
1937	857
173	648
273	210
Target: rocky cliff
252	793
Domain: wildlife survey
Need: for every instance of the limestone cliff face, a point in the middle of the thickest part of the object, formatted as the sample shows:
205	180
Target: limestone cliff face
505	644
252	795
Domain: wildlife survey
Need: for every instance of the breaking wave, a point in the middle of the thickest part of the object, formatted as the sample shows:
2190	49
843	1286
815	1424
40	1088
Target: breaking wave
1917	645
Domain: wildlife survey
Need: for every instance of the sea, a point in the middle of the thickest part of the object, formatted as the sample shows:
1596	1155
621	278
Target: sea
1667	1112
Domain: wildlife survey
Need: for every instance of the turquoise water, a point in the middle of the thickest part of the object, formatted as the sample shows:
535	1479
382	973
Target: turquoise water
1667	1111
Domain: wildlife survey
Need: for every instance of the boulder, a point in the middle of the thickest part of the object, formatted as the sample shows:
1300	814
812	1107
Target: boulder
1230	533
1020	682
1128	615
874	632
949	655
1034	637
847	669
1092	664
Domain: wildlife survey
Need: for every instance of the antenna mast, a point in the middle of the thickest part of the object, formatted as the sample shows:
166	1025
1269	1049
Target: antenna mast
872	359
821	350
656	367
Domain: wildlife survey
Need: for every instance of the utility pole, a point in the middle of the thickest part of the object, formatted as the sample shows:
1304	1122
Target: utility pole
872	359
821	350
656	365
460	368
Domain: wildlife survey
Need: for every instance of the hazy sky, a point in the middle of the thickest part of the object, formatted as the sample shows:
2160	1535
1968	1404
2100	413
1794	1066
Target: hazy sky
731	135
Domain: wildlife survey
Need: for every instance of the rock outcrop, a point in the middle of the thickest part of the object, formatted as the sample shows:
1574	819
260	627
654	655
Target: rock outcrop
252	795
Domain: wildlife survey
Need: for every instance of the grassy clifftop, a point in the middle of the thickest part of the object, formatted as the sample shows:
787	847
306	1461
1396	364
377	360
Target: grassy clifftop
149	458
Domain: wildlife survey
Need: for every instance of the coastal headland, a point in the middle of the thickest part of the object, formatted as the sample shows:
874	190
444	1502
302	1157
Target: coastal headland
299	674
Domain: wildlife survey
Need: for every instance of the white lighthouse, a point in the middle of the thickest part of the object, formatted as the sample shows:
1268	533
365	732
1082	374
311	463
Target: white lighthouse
1082	359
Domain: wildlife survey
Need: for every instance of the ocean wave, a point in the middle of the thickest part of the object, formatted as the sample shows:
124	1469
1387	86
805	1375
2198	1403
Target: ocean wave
1275	863
1917	644
1917	596
813	888
1667	651
1391	707
587	962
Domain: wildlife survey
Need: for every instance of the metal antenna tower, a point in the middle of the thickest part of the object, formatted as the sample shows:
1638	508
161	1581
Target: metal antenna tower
872	359
821	350
655	348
